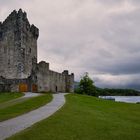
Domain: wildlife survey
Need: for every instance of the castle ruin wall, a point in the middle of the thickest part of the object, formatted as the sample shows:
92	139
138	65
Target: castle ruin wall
19	70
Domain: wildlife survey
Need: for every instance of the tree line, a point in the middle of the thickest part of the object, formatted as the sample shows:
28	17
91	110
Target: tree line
86	86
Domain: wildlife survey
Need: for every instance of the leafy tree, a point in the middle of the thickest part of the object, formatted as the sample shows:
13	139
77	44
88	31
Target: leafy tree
86	86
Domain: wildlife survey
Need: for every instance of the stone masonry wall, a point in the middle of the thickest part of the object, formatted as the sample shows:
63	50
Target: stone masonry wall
49	80
12	85
18	46
18	59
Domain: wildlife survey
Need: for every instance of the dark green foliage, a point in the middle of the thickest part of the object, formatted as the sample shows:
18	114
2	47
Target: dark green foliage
86	86
117	92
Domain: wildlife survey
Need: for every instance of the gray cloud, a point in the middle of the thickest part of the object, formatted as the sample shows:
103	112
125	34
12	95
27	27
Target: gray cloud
98	36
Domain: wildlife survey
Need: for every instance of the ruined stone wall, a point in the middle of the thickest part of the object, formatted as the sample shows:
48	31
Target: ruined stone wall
18	59
71	83
69	80
18	46
12	85
49	80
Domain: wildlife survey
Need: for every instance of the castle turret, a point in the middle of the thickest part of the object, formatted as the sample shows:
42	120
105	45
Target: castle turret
69	81
44	66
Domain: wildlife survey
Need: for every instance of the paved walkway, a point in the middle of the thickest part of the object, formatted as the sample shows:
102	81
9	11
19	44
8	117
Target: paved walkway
30	94
12	126
26	96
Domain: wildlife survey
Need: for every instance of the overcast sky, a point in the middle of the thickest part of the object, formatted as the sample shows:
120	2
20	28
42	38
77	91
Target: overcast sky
101	37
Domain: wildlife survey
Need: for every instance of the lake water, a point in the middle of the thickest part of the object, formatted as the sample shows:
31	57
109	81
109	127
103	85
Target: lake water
127	99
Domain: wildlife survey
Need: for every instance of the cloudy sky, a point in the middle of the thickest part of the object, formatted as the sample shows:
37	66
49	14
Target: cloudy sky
101	37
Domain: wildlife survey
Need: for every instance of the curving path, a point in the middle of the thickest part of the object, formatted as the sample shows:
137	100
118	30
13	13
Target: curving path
12	126
30	94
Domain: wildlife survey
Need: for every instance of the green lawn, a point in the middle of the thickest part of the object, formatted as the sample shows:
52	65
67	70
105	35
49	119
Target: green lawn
4	97
87	118
23	107
12	102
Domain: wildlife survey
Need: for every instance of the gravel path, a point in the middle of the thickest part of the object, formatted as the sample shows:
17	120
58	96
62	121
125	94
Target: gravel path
12	126
30	94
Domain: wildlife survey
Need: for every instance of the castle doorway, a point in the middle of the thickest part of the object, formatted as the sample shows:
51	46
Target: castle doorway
34	88
23	87
56	89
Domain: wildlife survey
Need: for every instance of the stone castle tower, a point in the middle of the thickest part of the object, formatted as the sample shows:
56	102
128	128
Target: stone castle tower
18	41
19	70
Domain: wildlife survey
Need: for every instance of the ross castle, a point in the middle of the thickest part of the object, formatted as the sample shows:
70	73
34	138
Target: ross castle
19	70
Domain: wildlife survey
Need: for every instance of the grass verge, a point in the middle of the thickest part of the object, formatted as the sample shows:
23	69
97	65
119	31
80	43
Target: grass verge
4	97
87	118
24	107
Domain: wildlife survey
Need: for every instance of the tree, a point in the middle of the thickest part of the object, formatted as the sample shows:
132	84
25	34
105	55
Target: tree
86	85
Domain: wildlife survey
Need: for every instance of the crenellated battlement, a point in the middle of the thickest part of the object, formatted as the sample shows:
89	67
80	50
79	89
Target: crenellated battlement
35	31
17	20
15	15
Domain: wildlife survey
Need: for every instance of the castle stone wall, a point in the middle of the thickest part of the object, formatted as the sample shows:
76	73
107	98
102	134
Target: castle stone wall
18	59
49	80
18	46
12	85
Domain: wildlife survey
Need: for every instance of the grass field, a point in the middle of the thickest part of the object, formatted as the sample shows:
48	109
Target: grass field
23	107
4	97
87	118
